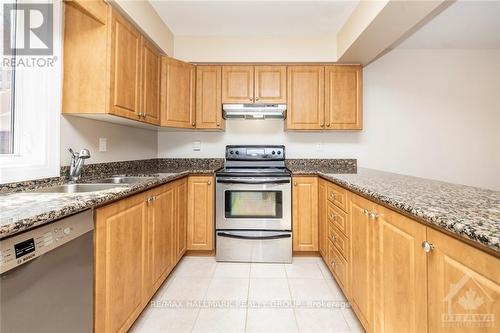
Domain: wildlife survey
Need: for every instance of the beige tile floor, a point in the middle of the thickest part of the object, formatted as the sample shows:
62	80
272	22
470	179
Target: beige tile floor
202	295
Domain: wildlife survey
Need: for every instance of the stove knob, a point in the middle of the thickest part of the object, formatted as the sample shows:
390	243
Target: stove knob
279	152
231	152
237	152
273	152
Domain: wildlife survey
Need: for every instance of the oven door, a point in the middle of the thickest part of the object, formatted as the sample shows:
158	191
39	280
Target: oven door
253	203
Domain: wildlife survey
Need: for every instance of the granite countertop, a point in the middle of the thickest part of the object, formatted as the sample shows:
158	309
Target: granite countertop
23	210
468	212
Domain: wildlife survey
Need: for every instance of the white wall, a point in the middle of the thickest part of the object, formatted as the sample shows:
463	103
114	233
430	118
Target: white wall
254	48
123	142
429	113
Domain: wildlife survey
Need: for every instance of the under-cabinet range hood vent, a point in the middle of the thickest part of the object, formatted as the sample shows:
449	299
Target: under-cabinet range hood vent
254	111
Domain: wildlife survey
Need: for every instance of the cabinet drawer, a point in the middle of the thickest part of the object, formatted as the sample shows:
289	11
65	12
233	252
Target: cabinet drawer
340	242
338	266
338	196
338	218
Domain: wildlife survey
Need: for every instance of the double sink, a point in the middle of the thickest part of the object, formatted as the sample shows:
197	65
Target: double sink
96	185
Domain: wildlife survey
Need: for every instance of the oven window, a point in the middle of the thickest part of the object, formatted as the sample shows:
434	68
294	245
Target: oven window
254	204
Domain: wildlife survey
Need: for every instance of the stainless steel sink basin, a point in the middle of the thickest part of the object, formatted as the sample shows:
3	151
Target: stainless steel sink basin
123	179
78	188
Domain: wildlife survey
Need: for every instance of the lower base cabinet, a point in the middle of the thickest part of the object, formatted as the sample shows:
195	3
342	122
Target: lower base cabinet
402	276
305	214
138	241
200	233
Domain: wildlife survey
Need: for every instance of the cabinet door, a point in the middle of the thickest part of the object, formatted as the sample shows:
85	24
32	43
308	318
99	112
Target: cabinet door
161	219
361	259
119	263
270	84
305	213
237	84
181	196
151	75
177	97
343	99
400	274
200	213
464	287
208	97
322	218
305	98
125	68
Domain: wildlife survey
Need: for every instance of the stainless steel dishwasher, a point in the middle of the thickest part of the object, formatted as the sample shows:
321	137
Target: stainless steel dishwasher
46	281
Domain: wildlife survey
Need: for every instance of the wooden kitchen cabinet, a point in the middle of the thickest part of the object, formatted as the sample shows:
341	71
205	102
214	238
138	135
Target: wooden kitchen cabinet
200	232
237	84
305	98
361	277
270	84
180	226
177	94
160	230
322	218
208	97
305	214
111	72
150	90
120	246
464	285
125	67
343	97
400	269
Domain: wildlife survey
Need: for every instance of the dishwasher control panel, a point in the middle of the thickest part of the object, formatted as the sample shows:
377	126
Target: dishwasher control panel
26	246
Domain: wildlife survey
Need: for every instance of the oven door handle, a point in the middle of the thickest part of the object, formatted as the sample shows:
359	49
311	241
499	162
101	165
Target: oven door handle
233	181
228	235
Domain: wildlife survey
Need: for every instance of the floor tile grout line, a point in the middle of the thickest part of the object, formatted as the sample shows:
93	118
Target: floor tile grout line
204	295
292	300
248	297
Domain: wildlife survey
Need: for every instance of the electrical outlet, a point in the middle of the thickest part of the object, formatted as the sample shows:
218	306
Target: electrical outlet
103	144
197	145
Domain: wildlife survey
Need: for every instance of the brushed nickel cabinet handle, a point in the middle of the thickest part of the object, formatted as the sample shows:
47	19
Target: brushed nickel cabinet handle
373	215
427	247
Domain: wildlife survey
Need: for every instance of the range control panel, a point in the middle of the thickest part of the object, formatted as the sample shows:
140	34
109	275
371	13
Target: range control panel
255	153
21	248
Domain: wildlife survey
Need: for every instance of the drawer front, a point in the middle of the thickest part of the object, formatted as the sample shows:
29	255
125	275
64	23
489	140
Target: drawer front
338	266
338	218
340	241
338	196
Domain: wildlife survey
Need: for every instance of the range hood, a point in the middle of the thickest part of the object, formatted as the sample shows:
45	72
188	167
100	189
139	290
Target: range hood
254	111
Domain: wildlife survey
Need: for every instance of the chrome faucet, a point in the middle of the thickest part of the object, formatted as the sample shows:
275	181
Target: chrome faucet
77	161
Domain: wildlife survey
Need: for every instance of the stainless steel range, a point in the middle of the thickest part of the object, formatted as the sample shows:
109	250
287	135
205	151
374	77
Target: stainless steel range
253	206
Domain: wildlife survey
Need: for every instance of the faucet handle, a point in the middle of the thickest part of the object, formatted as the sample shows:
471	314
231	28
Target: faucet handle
84	153
72	152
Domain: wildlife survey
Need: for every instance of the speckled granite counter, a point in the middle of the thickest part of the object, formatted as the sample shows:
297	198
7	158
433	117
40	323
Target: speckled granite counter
468	212
23	210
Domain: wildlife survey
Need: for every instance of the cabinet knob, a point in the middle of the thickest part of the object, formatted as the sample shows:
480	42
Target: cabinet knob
250	99
218	124
294	183
328	125
209	182
257	98
365	211
322	125
193	124
333	238
373	216
333	264
332	217
149	200
427	247
332	195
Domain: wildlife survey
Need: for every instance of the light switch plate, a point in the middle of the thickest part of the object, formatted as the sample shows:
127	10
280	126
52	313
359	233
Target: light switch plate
103	144
197	145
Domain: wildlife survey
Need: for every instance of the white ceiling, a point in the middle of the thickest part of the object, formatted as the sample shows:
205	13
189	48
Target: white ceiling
463	25
254	18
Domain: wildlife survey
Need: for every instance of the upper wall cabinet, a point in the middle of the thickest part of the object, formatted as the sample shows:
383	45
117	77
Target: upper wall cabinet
253	84
324	97
208	97
343	97
306	99
109	69
177	94
97	9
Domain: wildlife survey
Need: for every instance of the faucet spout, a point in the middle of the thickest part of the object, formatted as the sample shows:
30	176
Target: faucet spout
77	162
